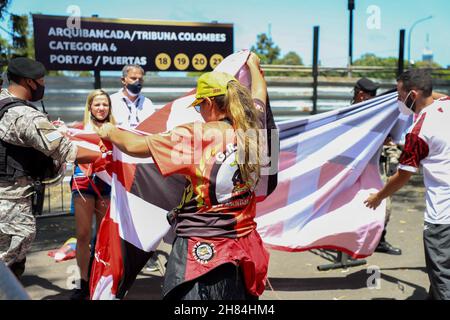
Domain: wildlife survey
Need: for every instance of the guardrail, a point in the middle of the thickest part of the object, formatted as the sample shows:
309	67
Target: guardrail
56	198
290	97
347	70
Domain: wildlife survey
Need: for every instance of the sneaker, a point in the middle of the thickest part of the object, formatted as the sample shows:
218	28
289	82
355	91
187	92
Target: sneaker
82	293
386	247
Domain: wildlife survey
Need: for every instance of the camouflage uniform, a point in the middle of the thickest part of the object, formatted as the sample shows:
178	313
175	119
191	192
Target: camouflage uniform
24	126
388	166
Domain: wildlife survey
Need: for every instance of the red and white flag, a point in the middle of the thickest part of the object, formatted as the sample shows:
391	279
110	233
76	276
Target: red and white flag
328	166
141	197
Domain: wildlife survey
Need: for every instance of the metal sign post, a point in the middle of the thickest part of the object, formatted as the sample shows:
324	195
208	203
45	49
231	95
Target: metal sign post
401	52
315	68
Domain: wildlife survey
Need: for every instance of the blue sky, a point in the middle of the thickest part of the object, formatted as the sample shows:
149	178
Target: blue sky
291	22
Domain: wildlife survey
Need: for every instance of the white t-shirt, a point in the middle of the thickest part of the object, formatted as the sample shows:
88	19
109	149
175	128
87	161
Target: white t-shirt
128	113
428	144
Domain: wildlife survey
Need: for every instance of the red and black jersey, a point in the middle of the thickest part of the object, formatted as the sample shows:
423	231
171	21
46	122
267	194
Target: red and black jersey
216	202
215	219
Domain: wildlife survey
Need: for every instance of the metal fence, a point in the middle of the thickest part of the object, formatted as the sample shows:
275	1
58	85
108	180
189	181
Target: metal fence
350	71
290	97
57	198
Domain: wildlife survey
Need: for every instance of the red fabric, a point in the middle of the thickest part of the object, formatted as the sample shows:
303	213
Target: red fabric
108	247
416	148
418	126
80	183
248	252
157	122
126	173
103	162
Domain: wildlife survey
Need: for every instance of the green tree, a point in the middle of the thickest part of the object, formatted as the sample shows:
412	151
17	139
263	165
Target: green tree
426	64
291	58
266	49
19	27
441	74
3	5
4	46
370	59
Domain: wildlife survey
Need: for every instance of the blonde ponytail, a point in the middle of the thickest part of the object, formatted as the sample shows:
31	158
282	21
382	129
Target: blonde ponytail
240	109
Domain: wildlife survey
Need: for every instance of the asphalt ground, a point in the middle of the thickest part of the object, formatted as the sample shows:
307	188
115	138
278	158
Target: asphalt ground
292	276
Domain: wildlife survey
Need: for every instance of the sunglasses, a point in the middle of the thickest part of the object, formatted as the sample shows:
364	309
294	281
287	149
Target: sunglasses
197	107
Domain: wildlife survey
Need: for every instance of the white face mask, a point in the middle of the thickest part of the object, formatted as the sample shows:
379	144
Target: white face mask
403	108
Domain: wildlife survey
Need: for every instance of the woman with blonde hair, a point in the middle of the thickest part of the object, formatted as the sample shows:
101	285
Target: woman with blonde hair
217	253
89	193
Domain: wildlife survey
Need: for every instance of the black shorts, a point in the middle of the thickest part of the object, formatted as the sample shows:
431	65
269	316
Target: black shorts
103	188
225	282
436	240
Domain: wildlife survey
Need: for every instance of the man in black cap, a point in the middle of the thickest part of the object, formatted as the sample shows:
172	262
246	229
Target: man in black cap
31	148
366	89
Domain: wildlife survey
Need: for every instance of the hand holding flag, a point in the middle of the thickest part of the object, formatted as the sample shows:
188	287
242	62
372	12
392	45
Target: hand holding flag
373	201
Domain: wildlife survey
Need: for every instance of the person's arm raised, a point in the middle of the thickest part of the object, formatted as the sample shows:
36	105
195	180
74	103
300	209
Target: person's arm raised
259	86
128	142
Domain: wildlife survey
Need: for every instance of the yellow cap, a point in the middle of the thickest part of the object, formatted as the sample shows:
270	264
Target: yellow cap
212	84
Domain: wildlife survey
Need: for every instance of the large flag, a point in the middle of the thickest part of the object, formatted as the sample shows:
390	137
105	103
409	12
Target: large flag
141	197
328	166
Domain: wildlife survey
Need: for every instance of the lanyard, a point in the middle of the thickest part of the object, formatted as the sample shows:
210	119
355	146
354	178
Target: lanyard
129	106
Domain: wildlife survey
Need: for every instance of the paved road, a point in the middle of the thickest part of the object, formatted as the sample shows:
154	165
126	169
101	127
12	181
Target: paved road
291	275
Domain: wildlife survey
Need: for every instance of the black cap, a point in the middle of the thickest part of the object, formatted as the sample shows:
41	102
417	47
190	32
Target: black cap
26	68
367	85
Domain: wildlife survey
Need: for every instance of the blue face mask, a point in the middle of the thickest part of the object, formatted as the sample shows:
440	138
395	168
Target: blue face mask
134	88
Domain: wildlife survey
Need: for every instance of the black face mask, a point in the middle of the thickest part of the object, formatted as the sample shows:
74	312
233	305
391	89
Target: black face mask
134	87
38	93
98	120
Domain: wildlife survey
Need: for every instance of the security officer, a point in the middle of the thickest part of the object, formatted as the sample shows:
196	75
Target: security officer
31	149
366	89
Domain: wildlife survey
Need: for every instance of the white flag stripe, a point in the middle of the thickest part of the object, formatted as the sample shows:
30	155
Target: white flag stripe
87	145
340	149
181	114
133	215
333	224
